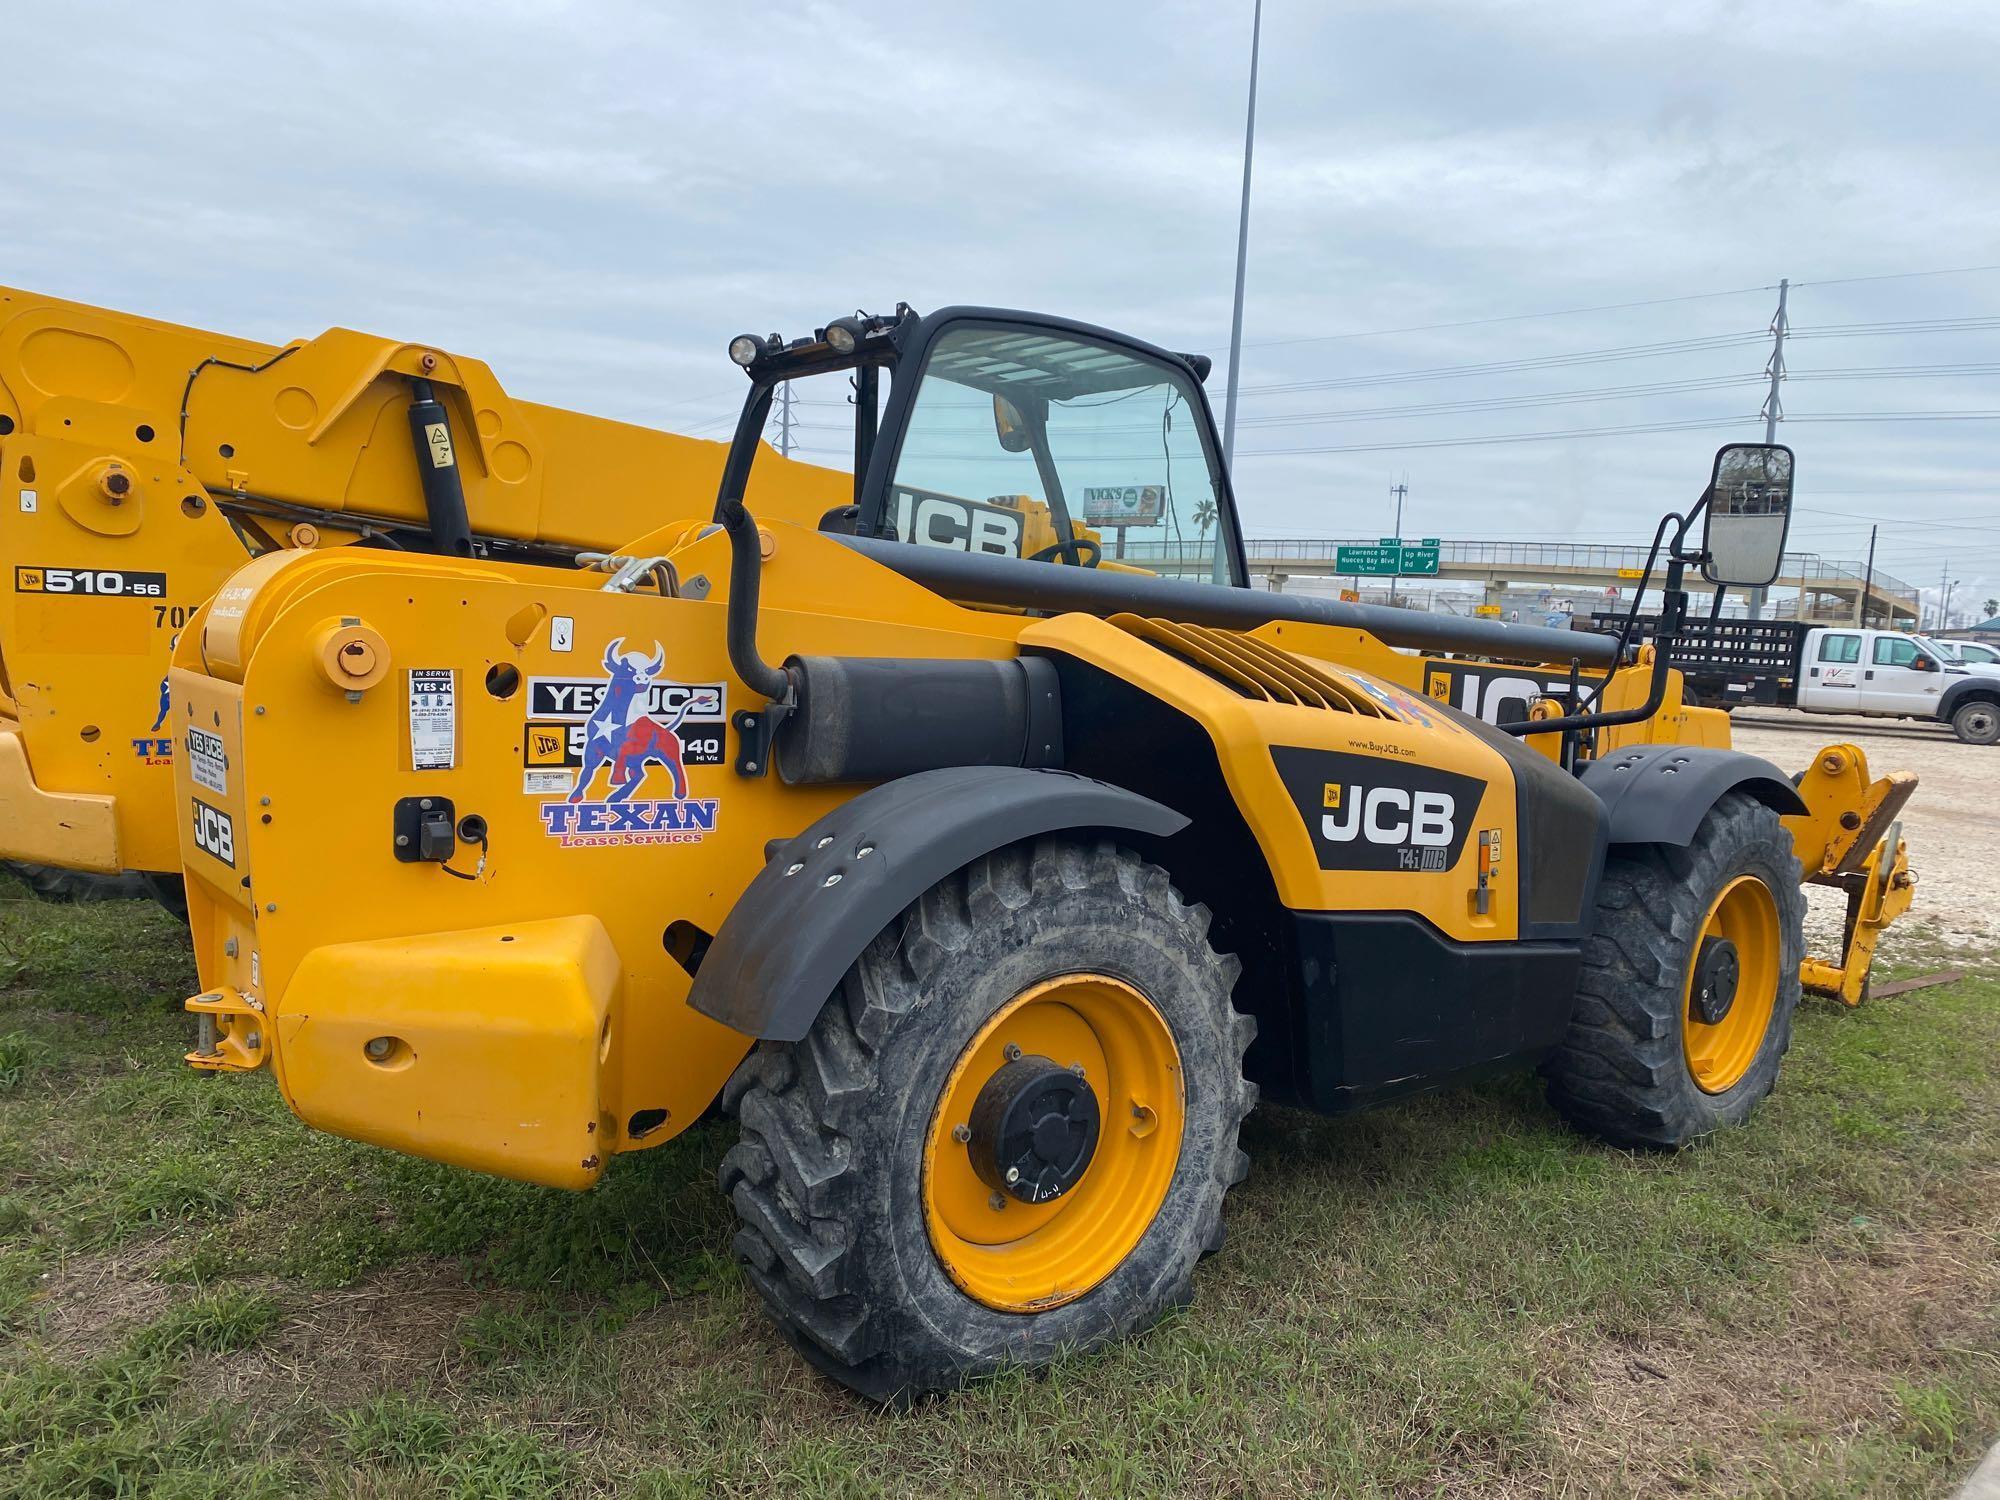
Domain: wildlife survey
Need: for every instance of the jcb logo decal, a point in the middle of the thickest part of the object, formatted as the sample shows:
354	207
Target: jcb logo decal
214	833
1372	813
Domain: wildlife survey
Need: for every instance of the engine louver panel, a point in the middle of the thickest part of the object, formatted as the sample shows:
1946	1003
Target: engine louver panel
1254	668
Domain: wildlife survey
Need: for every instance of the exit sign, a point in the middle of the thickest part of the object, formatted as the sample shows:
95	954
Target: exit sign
1389	557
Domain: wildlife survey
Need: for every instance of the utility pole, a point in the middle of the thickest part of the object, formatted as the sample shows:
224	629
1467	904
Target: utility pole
1774	410
785	418
1399	490
1944	610
1242	253
1867	583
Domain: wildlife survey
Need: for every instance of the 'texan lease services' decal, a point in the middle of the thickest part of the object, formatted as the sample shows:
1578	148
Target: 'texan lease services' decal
1366	813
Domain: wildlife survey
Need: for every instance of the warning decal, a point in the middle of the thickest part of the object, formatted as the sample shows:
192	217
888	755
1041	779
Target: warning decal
433	719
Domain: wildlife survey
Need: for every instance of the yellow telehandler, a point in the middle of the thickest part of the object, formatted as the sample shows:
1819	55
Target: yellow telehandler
984	879
147	461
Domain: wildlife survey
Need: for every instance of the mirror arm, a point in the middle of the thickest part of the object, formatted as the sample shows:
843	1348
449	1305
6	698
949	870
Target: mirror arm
1673	610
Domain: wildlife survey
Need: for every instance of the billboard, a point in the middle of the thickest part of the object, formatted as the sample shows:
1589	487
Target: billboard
1123	504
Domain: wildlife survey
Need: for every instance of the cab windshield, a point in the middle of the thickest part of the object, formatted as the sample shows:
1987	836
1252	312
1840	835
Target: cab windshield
1049	446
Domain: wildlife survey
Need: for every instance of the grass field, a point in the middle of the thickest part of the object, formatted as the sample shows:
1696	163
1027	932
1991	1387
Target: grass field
201	1298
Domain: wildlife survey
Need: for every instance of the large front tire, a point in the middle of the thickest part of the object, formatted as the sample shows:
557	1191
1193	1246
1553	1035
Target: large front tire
1653	1056
884	1260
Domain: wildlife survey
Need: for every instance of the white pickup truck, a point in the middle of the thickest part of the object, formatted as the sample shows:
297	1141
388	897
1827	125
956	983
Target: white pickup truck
1887	674
1979	660
1836	669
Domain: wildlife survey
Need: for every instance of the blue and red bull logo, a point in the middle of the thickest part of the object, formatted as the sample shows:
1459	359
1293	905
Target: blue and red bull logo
609	742
152	749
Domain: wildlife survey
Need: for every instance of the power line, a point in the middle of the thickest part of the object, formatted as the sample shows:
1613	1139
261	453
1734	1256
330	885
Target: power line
1513	437
1560	312
1511	366
1506	403
1897	276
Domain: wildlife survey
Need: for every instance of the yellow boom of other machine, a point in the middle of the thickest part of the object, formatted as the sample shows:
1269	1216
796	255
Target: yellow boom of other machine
145	462
984	882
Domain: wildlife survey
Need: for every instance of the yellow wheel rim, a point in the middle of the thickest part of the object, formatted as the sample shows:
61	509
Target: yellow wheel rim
1719	1055
1024	1257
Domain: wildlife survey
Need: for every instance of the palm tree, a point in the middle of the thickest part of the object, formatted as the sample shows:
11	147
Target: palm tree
1204	517
1992	608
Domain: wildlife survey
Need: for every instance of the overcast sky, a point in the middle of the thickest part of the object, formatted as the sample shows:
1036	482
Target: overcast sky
594	197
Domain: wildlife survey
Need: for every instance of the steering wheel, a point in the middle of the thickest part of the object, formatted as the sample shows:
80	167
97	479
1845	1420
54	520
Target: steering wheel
1082	544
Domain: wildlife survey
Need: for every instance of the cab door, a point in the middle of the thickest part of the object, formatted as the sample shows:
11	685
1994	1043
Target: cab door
1901	677
1833	673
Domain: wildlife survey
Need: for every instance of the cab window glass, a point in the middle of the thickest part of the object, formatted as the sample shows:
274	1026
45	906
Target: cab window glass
1043	445
1894	651
1840	648
1981	654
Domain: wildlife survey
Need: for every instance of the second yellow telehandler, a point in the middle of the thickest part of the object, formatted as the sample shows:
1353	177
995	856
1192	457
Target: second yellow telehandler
148	461
986	881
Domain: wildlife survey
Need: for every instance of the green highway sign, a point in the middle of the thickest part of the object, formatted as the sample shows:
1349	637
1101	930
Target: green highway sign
1388	558
1368	560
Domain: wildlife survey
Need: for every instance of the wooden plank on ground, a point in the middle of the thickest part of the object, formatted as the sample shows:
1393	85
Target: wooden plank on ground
1923	982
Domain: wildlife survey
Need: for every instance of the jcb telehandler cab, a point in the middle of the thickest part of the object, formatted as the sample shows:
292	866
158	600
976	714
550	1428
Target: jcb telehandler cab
142	462
984	879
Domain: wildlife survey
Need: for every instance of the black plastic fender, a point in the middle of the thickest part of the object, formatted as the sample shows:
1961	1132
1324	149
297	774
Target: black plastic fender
1971	689
1658	794
824	894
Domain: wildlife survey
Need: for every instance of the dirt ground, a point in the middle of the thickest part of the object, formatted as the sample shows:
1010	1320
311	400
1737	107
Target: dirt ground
1951	824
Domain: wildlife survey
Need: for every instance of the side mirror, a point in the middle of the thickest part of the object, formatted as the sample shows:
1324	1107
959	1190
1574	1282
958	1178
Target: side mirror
1749	513
1924	664
1009	426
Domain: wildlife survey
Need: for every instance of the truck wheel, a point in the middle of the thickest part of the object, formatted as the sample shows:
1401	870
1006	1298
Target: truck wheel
1007	1135
1977	723
1690	978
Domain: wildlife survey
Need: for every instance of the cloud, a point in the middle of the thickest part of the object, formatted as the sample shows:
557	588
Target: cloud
594	197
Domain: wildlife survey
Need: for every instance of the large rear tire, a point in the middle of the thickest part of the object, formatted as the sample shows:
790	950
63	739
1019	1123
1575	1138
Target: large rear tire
868	1180
1689	983
54	883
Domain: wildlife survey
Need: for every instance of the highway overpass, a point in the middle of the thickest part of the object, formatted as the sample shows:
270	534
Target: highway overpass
1826	589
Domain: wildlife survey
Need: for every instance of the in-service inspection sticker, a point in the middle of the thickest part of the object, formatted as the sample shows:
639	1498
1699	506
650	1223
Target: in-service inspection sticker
208	762
433	718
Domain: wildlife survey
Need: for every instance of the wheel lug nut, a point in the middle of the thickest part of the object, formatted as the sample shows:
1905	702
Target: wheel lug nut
961	1133
1013	1174
997	1202
1013	1052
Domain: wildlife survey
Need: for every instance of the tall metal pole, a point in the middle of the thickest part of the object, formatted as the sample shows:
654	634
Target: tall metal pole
1944	611
1776	368
1242	250
1773	410
785	418
1867	583
1396	583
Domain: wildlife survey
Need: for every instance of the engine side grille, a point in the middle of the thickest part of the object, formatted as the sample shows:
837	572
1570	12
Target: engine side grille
1253	668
